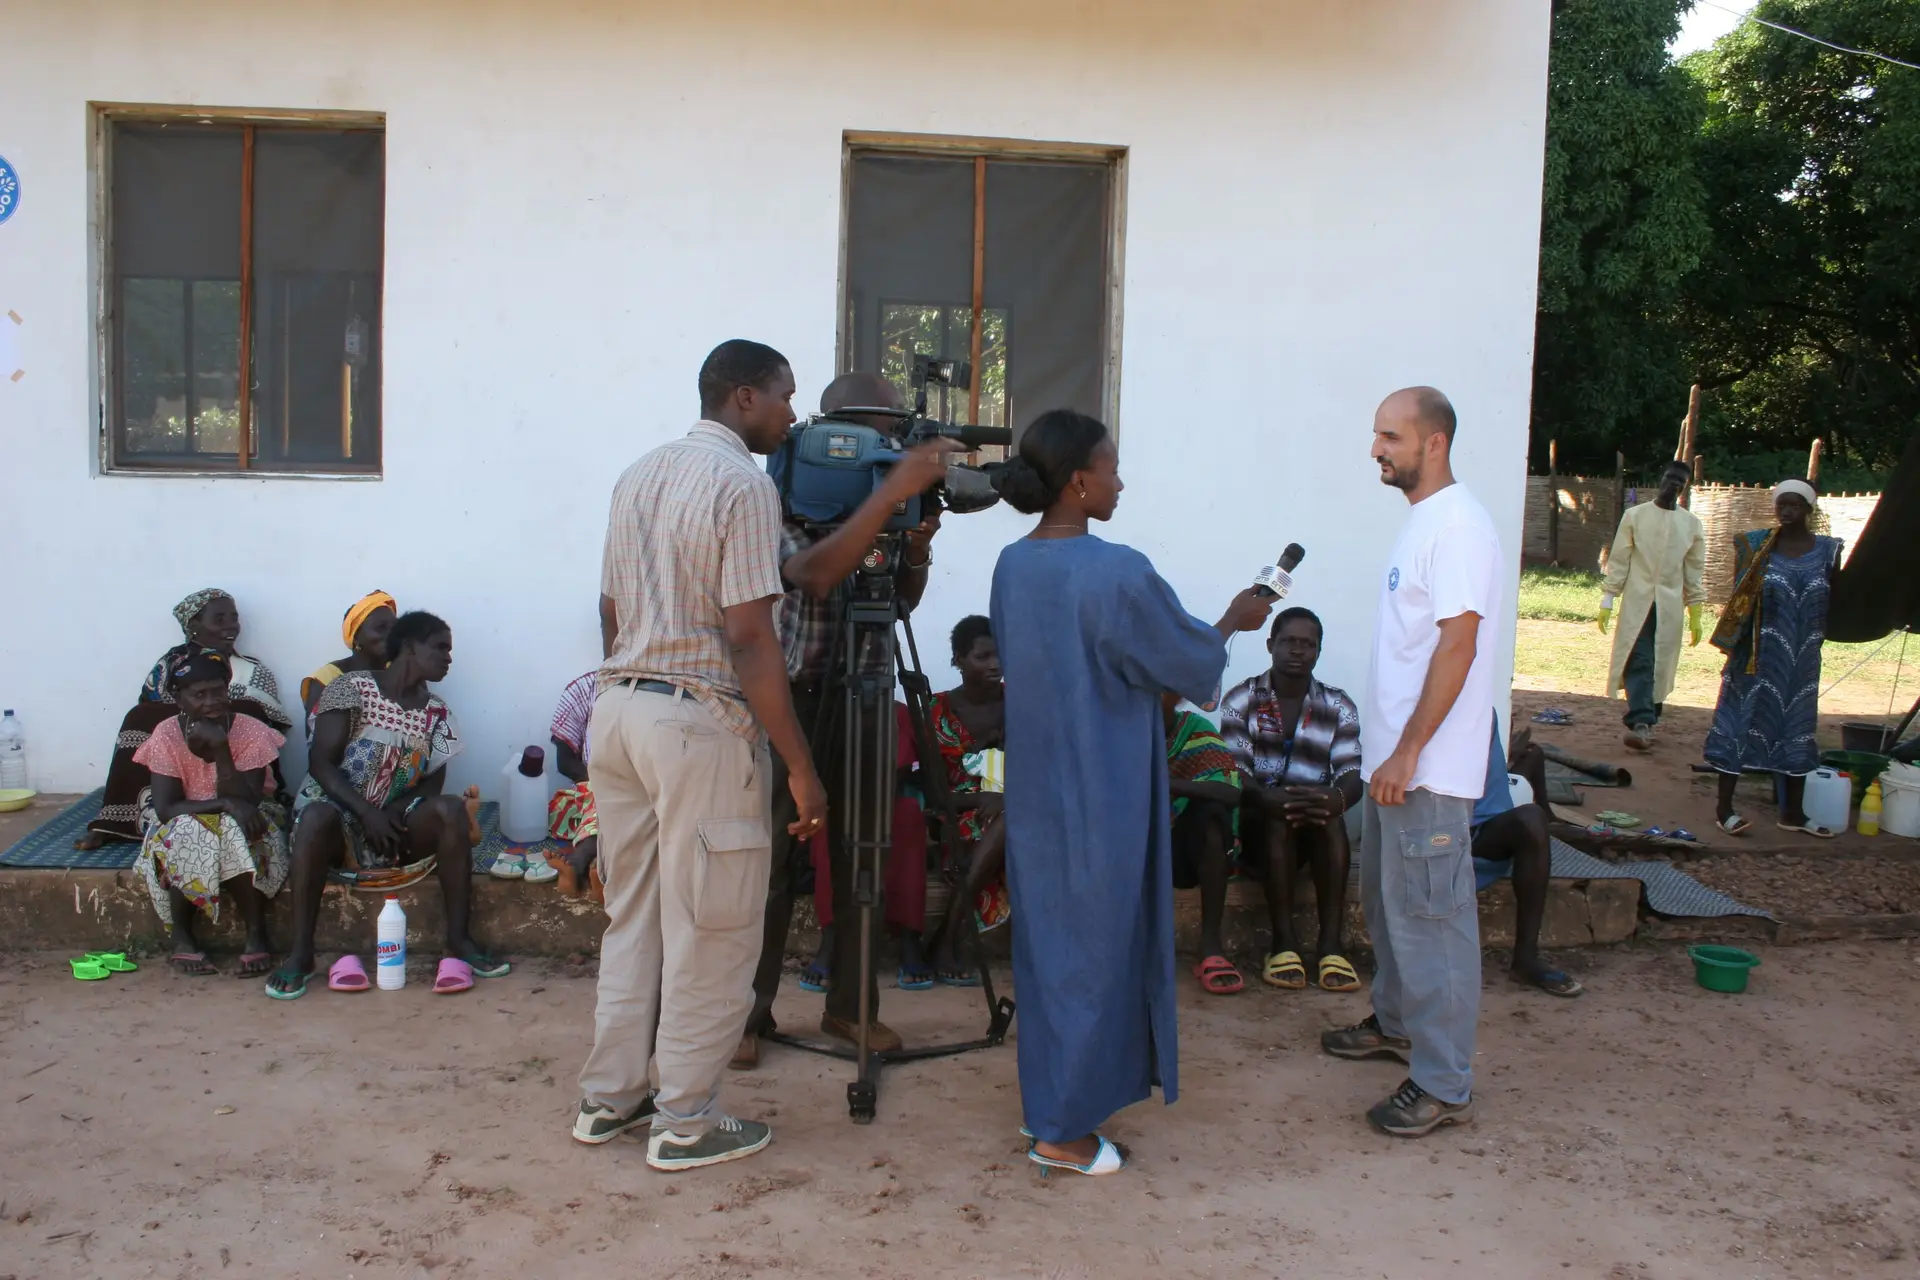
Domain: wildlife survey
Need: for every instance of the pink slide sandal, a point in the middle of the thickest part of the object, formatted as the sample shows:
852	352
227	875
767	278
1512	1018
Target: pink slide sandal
454	977
347	974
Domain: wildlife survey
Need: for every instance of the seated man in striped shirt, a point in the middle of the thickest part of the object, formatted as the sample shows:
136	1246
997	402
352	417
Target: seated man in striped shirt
1297	743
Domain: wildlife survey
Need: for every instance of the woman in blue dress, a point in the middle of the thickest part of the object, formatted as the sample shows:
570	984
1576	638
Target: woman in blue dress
1771	630
1090	638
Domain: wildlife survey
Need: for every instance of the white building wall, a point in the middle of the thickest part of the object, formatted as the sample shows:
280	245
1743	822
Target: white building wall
1324	202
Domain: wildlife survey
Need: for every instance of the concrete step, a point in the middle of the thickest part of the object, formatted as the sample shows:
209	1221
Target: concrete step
108	910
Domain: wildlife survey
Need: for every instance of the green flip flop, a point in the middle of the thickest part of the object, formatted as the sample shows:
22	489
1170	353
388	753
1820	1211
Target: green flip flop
293	993
485	966
87	969
113	961
1615	818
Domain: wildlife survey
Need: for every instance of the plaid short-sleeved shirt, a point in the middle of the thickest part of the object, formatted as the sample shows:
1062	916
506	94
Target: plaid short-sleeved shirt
575	712
694	529
1325	744
811	628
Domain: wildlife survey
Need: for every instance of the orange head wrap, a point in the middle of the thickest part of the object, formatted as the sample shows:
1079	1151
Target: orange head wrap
362	609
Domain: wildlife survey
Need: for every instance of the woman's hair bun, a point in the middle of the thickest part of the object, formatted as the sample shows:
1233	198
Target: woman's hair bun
1023	487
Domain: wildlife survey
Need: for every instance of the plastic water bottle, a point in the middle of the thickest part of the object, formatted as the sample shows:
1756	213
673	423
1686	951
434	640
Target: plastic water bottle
13	753
392	955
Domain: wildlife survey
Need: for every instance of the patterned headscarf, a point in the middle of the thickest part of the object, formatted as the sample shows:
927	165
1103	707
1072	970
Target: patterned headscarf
196	666
361	610
189	609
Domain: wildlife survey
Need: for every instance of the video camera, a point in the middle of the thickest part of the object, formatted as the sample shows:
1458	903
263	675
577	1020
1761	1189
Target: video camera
831	464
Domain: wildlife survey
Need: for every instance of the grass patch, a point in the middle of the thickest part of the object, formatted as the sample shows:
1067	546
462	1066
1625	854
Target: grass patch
1548	594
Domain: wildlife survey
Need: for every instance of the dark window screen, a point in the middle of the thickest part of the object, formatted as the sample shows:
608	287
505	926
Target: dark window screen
316	297
317	200
176	256
910	261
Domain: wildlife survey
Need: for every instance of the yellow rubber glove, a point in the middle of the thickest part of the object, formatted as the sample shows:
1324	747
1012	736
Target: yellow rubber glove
1606	616
1693	625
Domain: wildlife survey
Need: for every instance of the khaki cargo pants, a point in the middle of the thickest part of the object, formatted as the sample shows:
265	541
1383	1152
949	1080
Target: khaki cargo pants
685	847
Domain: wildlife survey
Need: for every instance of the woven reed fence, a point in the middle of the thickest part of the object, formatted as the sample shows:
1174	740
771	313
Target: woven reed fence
1590	511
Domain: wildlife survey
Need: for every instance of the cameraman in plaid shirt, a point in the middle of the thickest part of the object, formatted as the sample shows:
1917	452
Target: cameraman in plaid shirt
815	564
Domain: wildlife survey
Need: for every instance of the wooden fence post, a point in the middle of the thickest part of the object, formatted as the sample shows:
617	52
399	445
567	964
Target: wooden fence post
1619	491
1553	502
1690	428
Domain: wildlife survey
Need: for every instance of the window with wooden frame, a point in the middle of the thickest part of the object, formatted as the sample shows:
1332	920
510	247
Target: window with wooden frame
1002	254
242	272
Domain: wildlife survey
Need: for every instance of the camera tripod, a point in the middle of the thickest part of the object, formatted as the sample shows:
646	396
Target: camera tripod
862	814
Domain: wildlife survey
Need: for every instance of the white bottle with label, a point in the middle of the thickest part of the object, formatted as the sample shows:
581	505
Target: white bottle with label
391	959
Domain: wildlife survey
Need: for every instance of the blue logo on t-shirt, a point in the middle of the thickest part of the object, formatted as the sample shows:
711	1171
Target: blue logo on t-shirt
1393	578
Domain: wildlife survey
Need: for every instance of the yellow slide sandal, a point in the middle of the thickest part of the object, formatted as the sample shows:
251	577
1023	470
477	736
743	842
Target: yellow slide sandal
1336	974
1285	971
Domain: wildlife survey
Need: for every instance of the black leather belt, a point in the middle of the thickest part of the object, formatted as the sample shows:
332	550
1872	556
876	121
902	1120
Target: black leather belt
671	690
653	686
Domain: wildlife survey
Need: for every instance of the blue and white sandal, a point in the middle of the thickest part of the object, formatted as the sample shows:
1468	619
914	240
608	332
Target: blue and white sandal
1108	1159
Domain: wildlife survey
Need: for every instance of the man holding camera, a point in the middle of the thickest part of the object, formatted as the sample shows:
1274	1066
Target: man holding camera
815	565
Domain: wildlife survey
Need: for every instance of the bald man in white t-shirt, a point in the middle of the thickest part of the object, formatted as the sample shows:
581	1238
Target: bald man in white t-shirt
1424	728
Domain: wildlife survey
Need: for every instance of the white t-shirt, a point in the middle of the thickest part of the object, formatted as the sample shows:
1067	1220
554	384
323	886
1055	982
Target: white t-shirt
1446	563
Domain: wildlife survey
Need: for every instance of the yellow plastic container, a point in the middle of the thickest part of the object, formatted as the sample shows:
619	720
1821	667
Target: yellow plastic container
1870	810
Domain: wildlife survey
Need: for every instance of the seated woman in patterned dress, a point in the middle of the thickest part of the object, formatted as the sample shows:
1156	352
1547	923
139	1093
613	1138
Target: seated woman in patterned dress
373	799
208	619
365	628
213	829
969	720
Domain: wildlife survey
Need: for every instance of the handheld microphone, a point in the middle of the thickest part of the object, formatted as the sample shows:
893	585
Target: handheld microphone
1273	583
1277	580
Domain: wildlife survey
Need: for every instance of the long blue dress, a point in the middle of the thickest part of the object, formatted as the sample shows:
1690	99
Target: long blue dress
1090	637
1767	720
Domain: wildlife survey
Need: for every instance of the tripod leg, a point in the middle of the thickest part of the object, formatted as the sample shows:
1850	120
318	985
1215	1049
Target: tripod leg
862	1093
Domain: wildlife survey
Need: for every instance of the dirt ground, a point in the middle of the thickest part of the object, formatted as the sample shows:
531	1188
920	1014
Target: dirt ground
1784	872
160	1126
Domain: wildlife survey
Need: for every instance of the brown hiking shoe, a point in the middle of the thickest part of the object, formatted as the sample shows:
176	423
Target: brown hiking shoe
881	1038
1412	1112
1365	1040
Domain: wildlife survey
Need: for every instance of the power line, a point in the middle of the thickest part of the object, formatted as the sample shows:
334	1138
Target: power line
1841	48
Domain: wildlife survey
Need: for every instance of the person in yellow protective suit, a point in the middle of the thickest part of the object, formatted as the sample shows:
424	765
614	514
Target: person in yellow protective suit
1655	570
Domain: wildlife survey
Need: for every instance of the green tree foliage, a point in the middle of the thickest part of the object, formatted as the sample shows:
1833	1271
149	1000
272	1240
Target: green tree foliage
1803	318
1622	226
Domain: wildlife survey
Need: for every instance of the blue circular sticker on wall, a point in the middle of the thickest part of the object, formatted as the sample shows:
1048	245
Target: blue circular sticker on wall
9	190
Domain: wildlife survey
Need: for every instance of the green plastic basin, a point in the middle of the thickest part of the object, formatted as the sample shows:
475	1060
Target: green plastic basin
1722	968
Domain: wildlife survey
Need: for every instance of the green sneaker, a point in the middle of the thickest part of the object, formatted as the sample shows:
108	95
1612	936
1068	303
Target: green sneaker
597	1124
729	1139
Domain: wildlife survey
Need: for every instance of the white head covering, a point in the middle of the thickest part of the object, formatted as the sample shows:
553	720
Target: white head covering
1799	488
